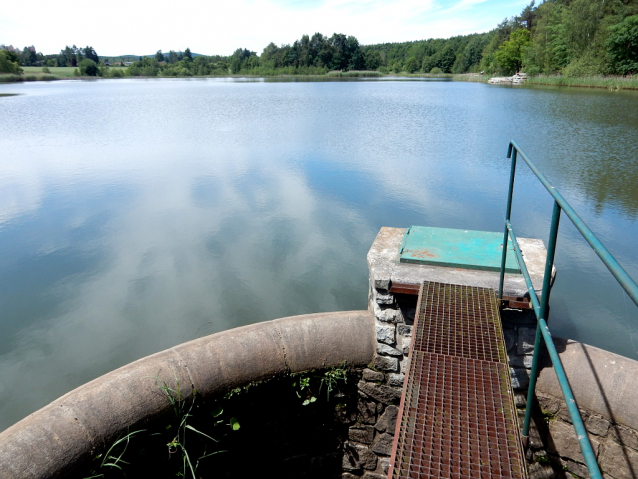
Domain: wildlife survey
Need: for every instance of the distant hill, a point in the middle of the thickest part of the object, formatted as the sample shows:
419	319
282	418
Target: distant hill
134	58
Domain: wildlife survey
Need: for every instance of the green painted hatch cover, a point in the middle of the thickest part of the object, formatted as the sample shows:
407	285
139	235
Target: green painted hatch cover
456	248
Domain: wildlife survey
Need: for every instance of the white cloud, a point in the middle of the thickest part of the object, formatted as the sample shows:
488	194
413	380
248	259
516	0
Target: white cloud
142	27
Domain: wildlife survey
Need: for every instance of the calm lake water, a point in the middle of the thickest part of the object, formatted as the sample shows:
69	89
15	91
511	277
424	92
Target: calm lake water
138	214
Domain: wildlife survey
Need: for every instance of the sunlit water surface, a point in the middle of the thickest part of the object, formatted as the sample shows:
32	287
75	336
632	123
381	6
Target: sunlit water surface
138	214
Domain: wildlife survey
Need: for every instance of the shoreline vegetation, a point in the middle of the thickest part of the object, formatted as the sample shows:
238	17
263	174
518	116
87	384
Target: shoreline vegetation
610	82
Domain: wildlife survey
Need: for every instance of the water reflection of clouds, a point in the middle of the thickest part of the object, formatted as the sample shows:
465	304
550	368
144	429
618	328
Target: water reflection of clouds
163	285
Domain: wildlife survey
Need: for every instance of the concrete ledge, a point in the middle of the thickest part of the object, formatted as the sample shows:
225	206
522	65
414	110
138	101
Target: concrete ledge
602	382
49	442
385	268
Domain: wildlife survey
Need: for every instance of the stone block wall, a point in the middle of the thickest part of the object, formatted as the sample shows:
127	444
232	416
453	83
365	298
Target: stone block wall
519	330
554	451
368	449
366	453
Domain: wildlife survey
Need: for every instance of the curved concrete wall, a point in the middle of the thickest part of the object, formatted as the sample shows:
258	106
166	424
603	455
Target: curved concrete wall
50	441
603	382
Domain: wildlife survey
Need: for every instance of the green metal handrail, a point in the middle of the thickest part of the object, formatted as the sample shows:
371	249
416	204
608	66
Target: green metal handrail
541	308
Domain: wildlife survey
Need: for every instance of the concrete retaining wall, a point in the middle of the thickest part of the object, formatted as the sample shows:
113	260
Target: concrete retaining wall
49	442
605	386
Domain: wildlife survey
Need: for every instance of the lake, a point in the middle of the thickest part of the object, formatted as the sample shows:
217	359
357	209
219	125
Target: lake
139	214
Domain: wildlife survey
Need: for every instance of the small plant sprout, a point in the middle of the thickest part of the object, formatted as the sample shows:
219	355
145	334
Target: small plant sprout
111	459
183	410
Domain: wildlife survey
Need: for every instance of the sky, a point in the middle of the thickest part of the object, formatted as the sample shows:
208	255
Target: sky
209	27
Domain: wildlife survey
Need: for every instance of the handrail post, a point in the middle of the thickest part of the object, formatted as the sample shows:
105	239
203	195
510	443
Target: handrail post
549	261
510	152
543	313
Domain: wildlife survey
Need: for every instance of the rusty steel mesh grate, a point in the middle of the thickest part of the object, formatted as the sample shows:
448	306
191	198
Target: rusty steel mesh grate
457	416
459	321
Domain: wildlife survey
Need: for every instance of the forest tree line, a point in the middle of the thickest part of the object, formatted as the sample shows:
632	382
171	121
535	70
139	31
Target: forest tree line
571	37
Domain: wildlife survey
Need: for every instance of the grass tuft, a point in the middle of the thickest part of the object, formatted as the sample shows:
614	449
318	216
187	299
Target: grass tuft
612	83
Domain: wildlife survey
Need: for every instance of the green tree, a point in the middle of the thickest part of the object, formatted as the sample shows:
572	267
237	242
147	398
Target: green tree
90	53
159	56
28	57
354	55
66	58
147	67
527	15
88	67
172	57
447	58
238	58
372	59
339	56
9	62
623	46
77	52
411	65
510	54
188	54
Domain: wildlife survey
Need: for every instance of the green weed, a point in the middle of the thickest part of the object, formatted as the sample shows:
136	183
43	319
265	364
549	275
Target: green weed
183	410
113	458
305	384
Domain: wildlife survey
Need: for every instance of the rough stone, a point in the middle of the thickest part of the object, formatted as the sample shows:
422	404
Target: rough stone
373	376
563	414
386	364
345	415
626	436
362	434
565	444
540	471
520	378
538	456
396	379
385	333
575	468
381	298
388	420
403	366
406	345
373	475
370	463
367	411
526	338
535	440
387	315
347	475
510	339
404	330
383	394
380	275
357	456
524	361
385	464
520	400
383	445
619	462
549	404
389	350
597	425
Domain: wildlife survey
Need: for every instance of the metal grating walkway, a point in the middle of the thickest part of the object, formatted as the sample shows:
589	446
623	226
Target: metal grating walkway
457	417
